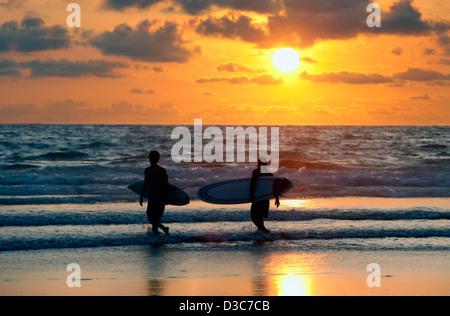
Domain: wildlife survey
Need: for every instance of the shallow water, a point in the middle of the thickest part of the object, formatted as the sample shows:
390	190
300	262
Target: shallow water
65	187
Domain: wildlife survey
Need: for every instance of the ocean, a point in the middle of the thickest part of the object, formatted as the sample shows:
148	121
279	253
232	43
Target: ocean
365	188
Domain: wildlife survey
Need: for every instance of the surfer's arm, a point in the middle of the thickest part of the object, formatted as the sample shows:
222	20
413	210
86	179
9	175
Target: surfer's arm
277	202
276	193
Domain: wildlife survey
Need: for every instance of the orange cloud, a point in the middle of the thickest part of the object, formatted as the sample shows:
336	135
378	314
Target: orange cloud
259	80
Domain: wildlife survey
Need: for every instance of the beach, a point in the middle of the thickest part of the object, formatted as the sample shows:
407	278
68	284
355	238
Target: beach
230	261
216	149
361	196
223	271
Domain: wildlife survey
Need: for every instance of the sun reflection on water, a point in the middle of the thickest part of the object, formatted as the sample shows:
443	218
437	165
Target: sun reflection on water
293	285
296	203
292	274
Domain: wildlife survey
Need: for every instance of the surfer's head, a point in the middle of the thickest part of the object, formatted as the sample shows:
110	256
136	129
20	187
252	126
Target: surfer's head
154	157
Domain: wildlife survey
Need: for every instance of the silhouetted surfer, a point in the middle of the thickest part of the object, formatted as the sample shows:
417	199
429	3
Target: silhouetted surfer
260	209
156	181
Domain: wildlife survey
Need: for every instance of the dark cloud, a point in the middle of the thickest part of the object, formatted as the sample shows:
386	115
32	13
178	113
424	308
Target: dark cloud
397	51
398	79
311	21
429	51
444	43
195	7
141	91
309	60
8	63
164	44
63	68
12	4
417	74
258	6
77	69
241	28
306	22
259	80
9	73
404	18
32	35
347	77
235	67
69	111
123	4
8	68
421	97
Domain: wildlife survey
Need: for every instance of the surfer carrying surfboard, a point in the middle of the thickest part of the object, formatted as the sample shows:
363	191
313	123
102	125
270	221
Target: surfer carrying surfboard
156	181
260	209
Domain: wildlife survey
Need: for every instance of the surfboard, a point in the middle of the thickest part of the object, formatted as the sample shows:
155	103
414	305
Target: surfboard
237	191
175	195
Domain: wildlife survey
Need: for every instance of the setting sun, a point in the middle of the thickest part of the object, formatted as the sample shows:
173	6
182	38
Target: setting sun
286	59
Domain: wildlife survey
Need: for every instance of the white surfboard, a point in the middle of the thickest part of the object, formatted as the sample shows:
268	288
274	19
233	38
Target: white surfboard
237	191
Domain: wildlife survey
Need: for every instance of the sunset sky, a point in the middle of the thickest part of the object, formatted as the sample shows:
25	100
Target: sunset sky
173	61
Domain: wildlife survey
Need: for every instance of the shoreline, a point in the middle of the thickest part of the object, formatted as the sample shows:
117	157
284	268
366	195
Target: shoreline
166	271
247	266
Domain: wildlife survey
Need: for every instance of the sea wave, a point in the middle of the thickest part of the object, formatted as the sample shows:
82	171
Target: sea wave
94	184
101	174
49	164
126	217
61	237
61	155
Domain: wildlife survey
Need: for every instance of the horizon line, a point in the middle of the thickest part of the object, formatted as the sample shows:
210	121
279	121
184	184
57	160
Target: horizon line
224	125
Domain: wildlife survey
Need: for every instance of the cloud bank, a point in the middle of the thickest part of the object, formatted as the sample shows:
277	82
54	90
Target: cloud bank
262	80
306	22
62	68
412	74
164	44
32	36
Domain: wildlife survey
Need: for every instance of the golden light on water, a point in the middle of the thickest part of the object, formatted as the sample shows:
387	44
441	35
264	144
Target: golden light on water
296	203
293	285
292	274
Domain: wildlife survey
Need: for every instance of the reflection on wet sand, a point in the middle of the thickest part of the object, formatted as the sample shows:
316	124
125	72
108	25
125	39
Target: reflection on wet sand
156	287
269	274
291	274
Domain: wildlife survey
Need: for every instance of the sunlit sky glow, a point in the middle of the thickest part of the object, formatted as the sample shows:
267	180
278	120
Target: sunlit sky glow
169	62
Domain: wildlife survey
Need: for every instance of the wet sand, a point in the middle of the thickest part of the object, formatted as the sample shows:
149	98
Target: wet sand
304	267
224	271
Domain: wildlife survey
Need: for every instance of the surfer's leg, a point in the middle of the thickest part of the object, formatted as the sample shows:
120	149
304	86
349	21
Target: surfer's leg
159	225
261	226
155	227
155	213
259	223
160	212
258	212
164	228
152	222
